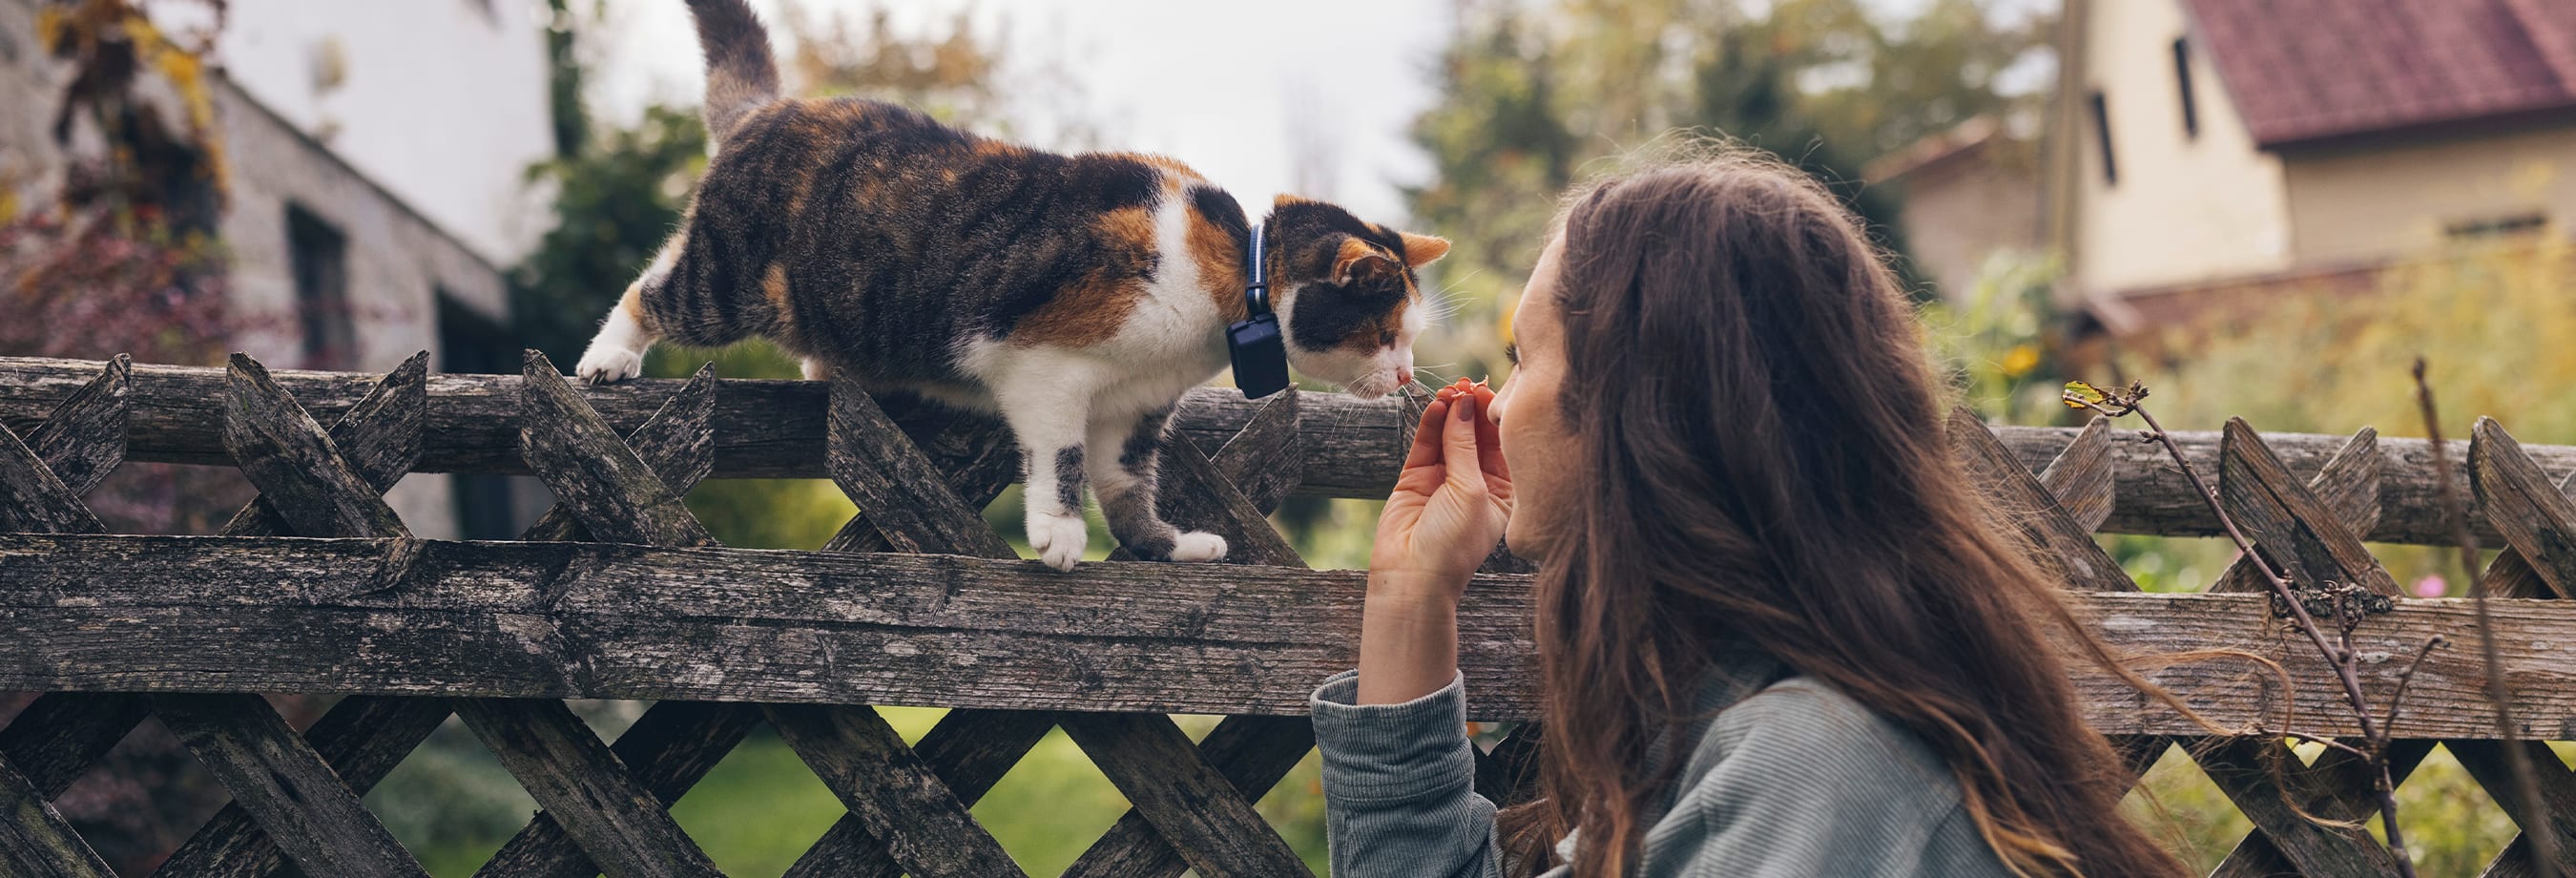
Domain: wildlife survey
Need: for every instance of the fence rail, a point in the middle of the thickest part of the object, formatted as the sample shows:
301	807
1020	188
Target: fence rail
618	592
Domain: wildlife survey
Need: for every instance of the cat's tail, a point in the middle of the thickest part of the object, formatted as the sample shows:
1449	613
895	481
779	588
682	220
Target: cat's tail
741	74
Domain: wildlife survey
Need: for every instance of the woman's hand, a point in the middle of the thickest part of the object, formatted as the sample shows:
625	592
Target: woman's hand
1445	516
1450	503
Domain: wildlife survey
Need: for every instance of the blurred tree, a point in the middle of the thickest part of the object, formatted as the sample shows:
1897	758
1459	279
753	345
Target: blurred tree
1533	95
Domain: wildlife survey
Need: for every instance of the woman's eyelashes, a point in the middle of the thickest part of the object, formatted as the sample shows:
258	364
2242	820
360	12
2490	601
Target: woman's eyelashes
1512	352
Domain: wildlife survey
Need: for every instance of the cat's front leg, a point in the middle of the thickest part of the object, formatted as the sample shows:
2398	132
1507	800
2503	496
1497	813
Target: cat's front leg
1129	487
1050	428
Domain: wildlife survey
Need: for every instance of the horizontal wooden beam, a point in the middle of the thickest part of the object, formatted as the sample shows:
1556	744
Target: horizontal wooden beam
574	620
1352	447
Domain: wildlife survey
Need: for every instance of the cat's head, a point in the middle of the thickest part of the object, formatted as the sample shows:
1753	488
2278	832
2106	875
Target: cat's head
1346	294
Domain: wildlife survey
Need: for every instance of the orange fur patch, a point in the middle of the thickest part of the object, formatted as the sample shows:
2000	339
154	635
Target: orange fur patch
1094	308
1354	250
1220	262
773	284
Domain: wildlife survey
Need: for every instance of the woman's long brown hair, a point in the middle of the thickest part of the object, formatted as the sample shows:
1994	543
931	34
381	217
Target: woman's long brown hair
1766	444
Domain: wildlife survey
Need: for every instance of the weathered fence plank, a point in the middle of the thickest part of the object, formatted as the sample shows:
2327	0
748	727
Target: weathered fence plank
899	489
969	750
84	439
668	749
886	785
1251	752
2273	797
585	788
2287	522
60	735
1193	806
775	429
2537	521
592	472
2063	545
362	738
35	840
303	475
287	788
127	613
379	437
676	442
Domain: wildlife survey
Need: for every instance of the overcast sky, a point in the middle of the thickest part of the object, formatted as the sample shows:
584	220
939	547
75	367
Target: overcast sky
1215	83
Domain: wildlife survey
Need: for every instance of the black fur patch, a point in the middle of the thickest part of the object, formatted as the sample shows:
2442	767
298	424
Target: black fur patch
1068	477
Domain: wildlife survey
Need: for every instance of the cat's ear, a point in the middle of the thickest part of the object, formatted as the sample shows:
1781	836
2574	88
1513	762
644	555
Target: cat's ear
1420	250
1358	259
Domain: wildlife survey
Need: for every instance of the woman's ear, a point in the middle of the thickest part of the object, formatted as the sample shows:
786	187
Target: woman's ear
1420	250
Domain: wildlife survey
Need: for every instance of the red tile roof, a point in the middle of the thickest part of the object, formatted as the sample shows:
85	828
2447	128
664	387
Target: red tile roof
2307	70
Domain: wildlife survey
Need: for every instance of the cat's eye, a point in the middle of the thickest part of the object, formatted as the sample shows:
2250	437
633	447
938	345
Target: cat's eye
1386	339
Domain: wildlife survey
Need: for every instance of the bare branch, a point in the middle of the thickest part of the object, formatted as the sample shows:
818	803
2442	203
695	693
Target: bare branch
2544	844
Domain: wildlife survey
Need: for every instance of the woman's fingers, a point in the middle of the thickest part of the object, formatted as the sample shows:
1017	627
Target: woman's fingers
1459	438
1489	439
1426	436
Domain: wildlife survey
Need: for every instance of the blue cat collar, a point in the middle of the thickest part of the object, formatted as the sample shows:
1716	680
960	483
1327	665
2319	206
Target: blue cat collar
1259	351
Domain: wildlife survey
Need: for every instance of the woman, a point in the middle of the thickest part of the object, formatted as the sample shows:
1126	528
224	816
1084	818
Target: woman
1777	631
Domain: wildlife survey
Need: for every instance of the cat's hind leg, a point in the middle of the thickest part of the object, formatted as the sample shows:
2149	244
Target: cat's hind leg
617	352
1129	486
1049	423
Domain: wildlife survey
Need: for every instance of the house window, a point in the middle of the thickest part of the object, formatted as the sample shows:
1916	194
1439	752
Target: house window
2102	131
2512	225
469	342
2182	81
320	257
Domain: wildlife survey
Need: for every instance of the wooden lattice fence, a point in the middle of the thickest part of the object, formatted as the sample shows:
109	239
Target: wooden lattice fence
618	592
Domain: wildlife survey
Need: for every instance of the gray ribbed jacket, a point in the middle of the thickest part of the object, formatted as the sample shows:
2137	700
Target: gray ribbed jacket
1789	778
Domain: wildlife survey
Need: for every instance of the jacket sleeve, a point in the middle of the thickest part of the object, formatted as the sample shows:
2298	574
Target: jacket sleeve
1399	786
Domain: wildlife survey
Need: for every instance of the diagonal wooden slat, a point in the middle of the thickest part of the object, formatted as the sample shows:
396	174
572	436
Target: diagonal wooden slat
2533	515
1265	460
35	840
969	750
677	442
2286	521
675	743
60	735
285	785
2349	486
2063	545
613	493
898	487
2337	787
380	437
84	438
2080	476
669	749
298	469
56	738
2491	767
2536	519
32	500
1194	807
1250	754
894	795
362	738
584	787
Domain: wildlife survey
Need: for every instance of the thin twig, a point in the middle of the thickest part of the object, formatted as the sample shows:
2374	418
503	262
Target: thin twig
2526	783
2405	678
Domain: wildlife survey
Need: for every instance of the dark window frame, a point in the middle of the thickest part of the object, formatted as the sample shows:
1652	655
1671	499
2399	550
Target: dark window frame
2182	83
317	254
2102	131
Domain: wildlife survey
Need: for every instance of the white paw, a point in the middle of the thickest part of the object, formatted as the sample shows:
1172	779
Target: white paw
1059	539
603	364
1198	545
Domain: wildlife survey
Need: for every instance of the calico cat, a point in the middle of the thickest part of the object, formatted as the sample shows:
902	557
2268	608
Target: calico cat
1079	296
